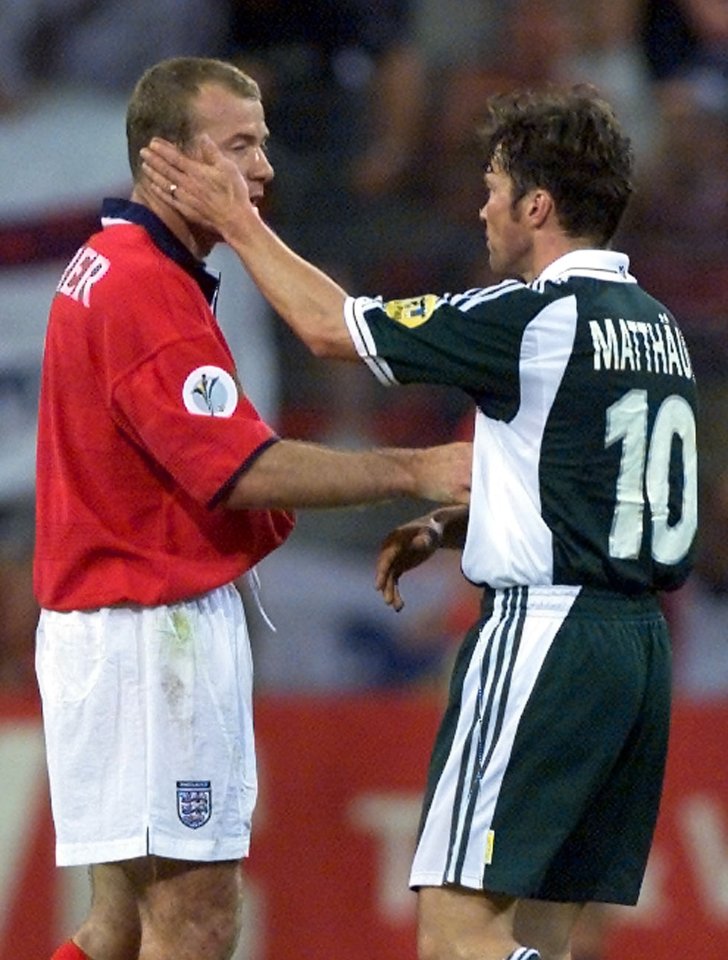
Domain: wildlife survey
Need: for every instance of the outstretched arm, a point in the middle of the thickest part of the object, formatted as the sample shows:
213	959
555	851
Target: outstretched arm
211	191
292	473
409	545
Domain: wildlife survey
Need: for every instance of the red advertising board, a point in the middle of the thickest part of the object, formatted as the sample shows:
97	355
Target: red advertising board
683	908
341	781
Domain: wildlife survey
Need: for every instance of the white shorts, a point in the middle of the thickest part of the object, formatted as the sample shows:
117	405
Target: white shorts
148	722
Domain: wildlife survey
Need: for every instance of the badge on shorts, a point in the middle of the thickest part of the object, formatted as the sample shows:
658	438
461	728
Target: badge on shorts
194	802
210	392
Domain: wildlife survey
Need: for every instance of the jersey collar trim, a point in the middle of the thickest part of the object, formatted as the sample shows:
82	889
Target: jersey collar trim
126	211
600	264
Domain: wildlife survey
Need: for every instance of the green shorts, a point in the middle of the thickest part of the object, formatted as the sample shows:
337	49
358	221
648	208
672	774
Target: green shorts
547	771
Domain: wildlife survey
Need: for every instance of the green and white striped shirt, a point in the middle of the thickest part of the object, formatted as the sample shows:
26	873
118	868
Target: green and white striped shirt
585	467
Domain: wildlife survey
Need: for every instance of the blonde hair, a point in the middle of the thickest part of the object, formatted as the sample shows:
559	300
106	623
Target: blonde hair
160	103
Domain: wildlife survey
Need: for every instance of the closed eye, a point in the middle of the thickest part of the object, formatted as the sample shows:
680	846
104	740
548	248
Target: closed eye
241	144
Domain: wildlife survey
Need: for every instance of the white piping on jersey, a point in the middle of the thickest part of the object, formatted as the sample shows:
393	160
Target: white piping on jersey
113	221
597	264
354	309
471	298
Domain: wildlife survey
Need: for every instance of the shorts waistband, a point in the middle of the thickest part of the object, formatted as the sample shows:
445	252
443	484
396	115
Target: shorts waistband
587	600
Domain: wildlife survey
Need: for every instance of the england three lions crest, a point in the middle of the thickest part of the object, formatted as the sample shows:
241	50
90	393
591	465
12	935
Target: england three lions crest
194	802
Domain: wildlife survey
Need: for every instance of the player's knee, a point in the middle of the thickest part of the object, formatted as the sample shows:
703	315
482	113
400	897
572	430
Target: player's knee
213	936
192	910
114	940
218	936
431	946
210	933
553	944
428	946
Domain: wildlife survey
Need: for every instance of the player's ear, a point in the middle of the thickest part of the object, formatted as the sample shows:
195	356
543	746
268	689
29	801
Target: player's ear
539	206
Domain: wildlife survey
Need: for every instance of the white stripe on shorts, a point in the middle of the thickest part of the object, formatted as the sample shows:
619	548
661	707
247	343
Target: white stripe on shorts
502	672
149	730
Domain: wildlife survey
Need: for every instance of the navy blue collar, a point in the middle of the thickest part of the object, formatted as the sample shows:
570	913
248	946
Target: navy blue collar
165	240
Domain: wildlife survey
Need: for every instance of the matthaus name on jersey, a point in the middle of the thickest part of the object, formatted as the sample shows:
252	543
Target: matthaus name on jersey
638	345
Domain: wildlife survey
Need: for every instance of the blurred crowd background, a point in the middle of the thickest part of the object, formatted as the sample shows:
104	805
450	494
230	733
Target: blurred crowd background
372	106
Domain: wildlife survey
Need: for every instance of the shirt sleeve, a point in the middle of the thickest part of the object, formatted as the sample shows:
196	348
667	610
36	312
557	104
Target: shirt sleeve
470	340
185	408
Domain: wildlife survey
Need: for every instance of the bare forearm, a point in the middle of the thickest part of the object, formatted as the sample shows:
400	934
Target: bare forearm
292	474
310	302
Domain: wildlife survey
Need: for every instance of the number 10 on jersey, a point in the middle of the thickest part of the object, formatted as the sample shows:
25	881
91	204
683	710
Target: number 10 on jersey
645	469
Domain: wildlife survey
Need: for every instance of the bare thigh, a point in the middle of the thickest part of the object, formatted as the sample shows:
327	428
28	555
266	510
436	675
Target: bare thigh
154	908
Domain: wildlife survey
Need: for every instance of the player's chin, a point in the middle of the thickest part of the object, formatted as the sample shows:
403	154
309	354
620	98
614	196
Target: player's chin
259	204
498	266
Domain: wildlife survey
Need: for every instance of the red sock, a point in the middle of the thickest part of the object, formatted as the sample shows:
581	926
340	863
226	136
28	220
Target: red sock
69	951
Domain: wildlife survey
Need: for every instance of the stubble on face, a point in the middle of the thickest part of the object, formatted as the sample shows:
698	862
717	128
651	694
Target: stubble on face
506	237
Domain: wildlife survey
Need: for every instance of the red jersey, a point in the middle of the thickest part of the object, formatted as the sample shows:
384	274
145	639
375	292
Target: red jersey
143	429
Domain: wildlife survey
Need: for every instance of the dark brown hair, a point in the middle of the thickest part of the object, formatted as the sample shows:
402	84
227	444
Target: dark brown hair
160	103
568	142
